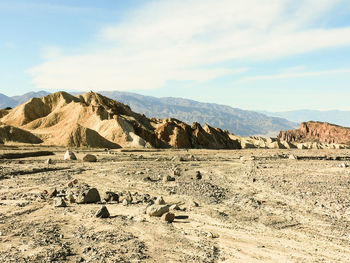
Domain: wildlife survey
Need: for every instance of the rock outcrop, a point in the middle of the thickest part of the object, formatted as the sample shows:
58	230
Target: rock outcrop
317	132
92	120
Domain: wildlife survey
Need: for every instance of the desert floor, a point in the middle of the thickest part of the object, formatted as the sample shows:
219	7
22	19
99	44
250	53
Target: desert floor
253	206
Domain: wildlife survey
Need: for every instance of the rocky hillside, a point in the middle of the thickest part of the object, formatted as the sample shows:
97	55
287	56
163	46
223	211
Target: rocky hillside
92	120
237	121
321	132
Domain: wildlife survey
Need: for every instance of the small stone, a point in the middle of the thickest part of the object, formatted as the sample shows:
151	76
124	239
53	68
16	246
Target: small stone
89	158
103	212
71	198
75	181
344	165
198	175
70	184
168	178
49	161
69	155
177	171
59	202
53	193
168	217
157	210
125	202
293	157
193	204
174	207
160	201
110	196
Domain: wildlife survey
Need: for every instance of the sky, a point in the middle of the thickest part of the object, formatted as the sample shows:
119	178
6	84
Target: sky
274	55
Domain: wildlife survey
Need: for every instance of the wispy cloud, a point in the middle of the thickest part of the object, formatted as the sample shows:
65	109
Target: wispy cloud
190	40
296	75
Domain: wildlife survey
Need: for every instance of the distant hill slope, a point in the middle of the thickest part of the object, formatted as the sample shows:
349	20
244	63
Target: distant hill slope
332	116
237	121
6	101
240	122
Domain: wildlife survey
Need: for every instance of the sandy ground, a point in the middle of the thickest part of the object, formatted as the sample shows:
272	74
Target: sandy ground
253	206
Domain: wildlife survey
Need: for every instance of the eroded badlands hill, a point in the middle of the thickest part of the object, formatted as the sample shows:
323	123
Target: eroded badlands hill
321	132
93	120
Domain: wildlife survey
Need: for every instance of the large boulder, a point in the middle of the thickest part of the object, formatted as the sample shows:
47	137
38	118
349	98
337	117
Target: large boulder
89	196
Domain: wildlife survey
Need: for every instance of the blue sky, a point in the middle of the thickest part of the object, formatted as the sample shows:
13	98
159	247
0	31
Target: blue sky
253	54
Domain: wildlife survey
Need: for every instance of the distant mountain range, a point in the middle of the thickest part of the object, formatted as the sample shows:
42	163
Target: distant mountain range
338	117
237	121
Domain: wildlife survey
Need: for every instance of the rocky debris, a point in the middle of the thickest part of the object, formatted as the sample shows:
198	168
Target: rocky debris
177	171
157	210
160	201
125	202
174	207
69	155
198	175
90	158
89	196
59	202
110	197
168	217
49	161
344	165
71	198
320	132
168	178
193	204
293	157
102	212
53	193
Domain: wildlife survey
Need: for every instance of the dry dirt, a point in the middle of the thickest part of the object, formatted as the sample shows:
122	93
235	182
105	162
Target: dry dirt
265	208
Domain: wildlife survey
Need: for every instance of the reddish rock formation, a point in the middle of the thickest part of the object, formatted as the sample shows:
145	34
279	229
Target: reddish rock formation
322	132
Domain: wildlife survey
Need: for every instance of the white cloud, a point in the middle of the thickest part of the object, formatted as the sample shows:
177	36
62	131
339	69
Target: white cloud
189	40
296	75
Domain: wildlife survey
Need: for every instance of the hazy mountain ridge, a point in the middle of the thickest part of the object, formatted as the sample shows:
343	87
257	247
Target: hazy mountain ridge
237	121
332	116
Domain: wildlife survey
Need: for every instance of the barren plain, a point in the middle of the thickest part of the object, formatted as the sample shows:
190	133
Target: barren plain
257	205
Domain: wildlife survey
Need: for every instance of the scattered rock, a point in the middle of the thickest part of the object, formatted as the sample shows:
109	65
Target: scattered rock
110	196
53	193
293	157
157	210
160	201
125	202
89	196
168	178
193	204
174	207
168	217
344	165
198	175
49	161
59	202
89	158
71	198
70	184
177	171
103	212
69	155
